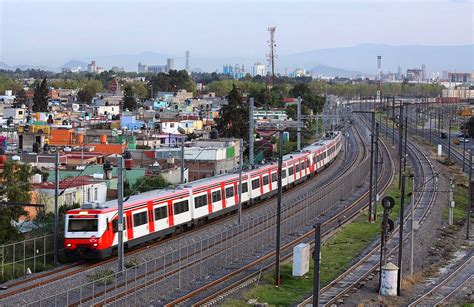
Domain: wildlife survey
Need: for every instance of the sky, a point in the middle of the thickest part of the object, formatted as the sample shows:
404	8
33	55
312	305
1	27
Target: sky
53	32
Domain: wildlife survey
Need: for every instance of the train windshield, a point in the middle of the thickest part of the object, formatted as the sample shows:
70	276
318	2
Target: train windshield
82	225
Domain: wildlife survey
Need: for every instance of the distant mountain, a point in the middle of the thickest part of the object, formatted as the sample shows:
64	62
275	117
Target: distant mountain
75	63
5	66
364	58
333	71
344	62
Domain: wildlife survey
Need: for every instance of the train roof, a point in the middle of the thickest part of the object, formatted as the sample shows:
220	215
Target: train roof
183	189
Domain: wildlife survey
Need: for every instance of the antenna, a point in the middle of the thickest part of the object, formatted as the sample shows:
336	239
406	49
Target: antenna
379	76
271	55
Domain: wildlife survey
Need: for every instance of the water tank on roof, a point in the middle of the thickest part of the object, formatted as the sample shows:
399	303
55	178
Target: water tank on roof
80	138
36	147
103	139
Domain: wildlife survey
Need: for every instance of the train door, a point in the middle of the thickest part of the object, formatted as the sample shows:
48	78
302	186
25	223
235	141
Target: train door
160	216
140	222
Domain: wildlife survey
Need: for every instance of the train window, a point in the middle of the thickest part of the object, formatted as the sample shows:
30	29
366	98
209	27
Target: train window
216	196
161	213
275	177
181	207
229	192
325	154
290	170
297	168
245	187
115	225
265	180
82	225
283	173
140	219
255	183
200	201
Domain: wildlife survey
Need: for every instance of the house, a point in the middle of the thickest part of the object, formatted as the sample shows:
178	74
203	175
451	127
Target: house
77	190
17	114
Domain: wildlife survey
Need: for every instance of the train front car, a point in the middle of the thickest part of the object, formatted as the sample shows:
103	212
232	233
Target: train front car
85	234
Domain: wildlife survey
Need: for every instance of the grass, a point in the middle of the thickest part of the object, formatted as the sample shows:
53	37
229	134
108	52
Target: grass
336	255
102	277
8	272
460	195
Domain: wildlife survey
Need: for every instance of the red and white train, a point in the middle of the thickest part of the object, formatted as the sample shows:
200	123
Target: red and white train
91	231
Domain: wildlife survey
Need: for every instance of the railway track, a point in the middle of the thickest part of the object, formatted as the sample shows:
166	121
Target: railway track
217	290
24	287
334	291
446	289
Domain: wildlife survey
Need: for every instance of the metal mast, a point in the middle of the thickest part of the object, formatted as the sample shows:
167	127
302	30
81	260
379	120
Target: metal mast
271	55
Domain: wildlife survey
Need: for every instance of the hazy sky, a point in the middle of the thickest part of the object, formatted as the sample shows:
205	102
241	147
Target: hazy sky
53	32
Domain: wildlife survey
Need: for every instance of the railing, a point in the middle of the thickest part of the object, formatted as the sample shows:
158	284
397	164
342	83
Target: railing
19	258
197	259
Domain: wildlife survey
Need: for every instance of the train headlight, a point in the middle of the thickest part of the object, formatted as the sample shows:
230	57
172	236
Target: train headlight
69	245
95	244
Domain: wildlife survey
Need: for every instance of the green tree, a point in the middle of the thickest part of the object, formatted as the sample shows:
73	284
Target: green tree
40	99
21	98
16	189
144	184
470	126
129	101
233	119
310	100
89	90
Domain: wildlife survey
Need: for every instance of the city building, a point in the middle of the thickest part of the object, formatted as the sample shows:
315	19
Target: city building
142	68
414	74
460	77
236	71
118	68
78	190
92	67
258	69
170	65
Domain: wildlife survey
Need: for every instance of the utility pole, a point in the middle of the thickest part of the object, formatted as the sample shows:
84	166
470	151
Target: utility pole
298	129
278	228
412	230
463	151
371	179
405	156
251	128
449	141
120	252
469	205
371	176
56	207
400	236
376	166
400	145
182	161
393	121
450	202
241	162
317	260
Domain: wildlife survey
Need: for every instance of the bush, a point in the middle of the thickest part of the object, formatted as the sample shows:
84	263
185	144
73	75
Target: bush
102	277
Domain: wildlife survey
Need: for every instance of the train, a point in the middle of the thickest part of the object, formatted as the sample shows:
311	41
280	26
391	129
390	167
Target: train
91	232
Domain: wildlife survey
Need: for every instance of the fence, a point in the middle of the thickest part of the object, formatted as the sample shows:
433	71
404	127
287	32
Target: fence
35	254
194	261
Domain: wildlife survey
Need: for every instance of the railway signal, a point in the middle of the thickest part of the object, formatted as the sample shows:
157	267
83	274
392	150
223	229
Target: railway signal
387	227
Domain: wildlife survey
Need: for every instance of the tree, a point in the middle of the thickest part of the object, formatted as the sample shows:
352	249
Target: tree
129	102
310	101
234	117
89	90
16	189
40	98
21	98
144	184
470	126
